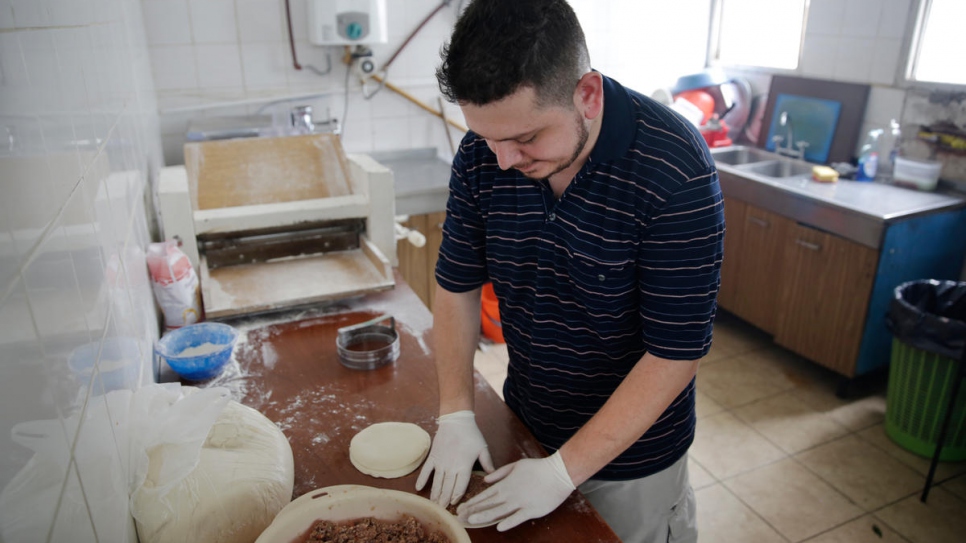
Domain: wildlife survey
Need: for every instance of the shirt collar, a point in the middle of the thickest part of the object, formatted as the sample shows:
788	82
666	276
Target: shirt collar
618	126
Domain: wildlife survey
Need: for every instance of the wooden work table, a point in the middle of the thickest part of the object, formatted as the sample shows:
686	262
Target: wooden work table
289	370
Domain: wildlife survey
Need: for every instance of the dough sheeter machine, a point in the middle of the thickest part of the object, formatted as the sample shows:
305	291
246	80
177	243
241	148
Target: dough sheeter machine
272	223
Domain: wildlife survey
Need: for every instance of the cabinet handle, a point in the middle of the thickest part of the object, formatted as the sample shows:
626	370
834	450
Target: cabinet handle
760	222
809	245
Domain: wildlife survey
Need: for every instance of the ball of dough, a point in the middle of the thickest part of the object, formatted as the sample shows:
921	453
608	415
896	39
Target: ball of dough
389	449
244	477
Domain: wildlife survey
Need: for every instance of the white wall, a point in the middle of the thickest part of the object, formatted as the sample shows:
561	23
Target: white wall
855	41
79	142
231	57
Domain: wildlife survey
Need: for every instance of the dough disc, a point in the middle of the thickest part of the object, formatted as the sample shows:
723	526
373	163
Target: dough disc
389	449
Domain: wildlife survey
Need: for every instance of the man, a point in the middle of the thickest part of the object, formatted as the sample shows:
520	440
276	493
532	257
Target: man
597	215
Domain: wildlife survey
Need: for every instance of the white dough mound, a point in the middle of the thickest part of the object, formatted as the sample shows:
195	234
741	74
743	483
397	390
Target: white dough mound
389	449
244	477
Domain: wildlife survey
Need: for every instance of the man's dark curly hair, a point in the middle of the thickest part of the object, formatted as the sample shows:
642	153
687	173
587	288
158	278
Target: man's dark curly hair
500	46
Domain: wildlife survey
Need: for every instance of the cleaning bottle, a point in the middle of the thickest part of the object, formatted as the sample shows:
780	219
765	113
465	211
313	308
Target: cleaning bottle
869	156
894	143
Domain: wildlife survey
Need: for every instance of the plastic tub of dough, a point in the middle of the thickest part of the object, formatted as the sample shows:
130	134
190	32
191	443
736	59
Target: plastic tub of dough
345	503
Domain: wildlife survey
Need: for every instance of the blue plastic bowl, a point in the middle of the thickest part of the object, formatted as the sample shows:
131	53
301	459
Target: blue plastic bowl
202	365
120	364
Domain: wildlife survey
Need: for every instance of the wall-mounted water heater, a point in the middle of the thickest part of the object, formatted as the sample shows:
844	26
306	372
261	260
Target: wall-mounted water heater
347	22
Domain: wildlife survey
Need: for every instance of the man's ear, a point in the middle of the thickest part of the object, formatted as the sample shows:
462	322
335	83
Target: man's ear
589	95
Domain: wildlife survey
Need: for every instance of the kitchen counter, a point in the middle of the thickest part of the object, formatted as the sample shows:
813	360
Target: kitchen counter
290	372
859	211
421	179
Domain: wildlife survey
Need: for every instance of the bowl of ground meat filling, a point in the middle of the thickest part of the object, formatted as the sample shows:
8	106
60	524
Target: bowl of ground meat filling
357	514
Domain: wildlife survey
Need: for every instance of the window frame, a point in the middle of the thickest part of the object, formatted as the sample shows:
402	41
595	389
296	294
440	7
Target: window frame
714	44
911	46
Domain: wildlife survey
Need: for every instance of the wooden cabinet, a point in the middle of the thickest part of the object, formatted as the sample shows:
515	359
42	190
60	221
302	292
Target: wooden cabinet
751	270
825	289
808	288
417	265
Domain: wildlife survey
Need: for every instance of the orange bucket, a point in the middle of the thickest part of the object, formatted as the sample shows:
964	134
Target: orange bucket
490	315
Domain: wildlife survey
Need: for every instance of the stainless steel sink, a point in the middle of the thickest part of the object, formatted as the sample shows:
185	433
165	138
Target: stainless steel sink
739	155
779	168
759	162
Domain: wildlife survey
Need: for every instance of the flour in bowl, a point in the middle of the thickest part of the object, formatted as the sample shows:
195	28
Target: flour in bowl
204	348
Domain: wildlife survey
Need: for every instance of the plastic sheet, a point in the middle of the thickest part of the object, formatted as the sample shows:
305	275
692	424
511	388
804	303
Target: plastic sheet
180	463
930	315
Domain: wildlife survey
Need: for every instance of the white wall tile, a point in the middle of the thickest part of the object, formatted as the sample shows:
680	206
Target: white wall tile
30	13
854	60
885	61
219	65
819	55
173	67
213	21
167	22
895	15
357	135
73	523
56	299
884	104
264	65
6	14
390	134
315	56
300	23
861	18
260	21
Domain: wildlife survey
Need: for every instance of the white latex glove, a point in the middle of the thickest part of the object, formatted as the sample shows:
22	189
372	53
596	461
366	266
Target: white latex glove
457	446
526	489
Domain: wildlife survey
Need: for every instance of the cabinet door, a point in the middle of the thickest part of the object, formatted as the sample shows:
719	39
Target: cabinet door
418	264
759	276
434	238
826	284
413	260
734	221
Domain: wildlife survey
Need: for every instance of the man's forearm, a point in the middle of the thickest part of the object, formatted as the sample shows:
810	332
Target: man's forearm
456	330
637	403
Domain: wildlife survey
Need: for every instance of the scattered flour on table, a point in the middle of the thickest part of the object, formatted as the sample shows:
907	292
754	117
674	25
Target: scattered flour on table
269	355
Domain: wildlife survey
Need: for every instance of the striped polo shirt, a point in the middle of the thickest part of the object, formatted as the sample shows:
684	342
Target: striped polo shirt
625	262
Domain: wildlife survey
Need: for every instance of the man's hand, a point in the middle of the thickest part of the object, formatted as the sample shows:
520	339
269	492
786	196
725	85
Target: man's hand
526	489
457	446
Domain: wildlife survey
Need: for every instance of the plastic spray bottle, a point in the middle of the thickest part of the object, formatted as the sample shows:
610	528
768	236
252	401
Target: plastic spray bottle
894	141
869	156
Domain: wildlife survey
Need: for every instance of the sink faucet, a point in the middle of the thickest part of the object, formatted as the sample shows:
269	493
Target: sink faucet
785	121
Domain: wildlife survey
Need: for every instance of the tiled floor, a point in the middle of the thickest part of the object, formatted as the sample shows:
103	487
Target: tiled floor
778	457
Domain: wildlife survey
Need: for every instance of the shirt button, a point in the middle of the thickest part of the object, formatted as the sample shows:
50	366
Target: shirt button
601	277
552	216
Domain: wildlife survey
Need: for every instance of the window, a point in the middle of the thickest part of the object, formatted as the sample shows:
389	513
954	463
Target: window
936	52
645	44
763	33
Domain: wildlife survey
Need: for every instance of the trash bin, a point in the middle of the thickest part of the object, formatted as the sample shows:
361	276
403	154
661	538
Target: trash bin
927	319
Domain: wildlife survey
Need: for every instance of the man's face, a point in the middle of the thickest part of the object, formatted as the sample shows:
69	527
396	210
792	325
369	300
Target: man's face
538	142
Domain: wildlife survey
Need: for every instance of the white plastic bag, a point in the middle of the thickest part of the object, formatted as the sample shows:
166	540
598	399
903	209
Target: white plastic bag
175	284
180	463
207	472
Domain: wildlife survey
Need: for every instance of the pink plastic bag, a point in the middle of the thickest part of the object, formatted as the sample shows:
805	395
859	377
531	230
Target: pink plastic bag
175	284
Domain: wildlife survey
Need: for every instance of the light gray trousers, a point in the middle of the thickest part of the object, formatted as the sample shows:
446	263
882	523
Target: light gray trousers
659	508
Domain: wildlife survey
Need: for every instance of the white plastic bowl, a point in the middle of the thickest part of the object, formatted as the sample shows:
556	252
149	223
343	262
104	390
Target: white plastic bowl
350	502
920	174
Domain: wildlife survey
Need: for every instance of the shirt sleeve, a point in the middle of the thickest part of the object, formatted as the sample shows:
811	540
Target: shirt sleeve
461	266
680	270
